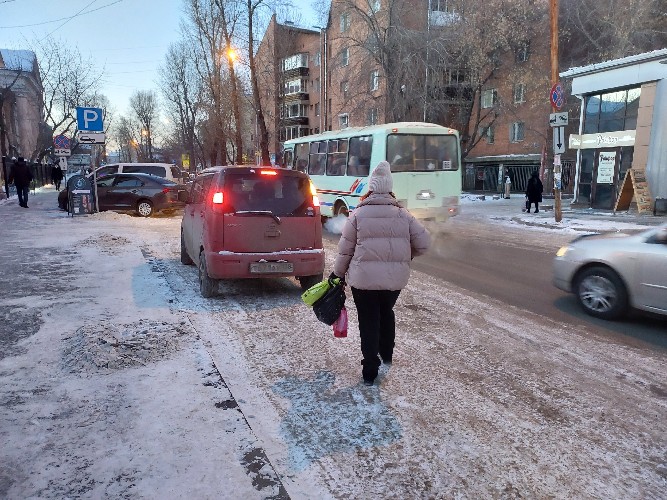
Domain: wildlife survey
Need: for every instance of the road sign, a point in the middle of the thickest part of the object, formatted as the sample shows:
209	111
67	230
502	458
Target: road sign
62	142
91	138
89	119
559	140
557	96
62	152
185	160
558	119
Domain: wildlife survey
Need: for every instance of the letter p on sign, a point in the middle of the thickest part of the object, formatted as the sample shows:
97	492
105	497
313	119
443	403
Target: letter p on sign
89	119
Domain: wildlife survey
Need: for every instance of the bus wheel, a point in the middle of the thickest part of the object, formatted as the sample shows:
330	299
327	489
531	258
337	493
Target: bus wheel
341	209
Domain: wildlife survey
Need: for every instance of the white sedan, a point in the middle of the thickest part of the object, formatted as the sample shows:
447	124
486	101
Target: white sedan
609	273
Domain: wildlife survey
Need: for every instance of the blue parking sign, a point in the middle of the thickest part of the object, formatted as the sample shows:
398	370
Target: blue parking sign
89	119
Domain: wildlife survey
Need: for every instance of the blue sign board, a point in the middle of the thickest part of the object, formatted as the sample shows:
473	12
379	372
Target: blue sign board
89	119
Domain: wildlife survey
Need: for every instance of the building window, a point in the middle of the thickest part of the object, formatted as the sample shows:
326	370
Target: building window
344	22
489	98
343	120
612	112
316	86
345	57
442	13
373	116
318	58
295	61
317	109
517	132
374	5
522	52
344	87
519	93
375	79
295	86
490	134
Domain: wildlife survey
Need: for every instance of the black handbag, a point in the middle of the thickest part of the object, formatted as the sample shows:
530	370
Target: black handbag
328	307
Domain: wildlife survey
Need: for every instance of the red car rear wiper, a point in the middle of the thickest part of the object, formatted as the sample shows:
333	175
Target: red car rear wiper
259	212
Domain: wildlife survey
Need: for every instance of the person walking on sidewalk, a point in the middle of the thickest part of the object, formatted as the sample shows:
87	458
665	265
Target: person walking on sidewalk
379	240
57	175
21	177
534	190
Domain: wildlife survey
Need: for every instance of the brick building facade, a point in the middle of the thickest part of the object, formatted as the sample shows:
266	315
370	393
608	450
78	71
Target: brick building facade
371	64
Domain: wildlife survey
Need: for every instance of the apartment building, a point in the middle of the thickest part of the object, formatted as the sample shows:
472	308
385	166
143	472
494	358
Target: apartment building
21	100
380	61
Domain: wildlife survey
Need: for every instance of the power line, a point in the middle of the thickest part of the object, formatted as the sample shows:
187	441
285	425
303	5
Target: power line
69	19
62	18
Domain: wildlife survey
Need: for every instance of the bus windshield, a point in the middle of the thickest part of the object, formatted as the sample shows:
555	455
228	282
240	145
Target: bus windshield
408	152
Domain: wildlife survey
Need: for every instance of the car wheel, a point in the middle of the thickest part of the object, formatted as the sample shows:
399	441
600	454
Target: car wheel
185	258
207	285
308	281
341	209
601	293
145	208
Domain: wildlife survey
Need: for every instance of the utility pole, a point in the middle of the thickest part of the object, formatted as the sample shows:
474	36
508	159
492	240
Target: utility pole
558	214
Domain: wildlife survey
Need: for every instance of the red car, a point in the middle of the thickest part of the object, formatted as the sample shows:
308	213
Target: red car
252	222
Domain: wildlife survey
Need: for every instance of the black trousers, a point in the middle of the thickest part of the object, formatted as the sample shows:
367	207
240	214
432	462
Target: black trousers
529	204
377	327
22	193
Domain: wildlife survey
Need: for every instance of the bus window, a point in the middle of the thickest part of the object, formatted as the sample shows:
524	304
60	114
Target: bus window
302	156
337	157
287	159
318	158
421	152
359	161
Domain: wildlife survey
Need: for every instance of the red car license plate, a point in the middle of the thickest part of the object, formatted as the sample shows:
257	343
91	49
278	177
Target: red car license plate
271	267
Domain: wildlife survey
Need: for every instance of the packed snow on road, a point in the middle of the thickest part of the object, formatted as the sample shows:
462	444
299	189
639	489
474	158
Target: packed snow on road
118	380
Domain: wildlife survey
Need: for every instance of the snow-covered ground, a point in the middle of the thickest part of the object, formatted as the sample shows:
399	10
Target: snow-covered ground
117	380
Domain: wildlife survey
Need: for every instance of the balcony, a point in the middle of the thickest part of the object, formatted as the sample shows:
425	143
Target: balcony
296	96
295	120
295	72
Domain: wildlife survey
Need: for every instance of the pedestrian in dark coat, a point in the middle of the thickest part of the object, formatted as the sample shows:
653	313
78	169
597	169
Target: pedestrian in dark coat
534	192
57	175
21	176
379	240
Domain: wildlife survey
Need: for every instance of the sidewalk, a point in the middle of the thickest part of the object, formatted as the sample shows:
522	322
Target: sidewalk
580	219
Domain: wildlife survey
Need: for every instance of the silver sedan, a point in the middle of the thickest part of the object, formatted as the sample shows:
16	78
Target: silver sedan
609	273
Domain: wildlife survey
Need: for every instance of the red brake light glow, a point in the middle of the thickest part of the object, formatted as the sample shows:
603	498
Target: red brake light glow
268	172
316	201
218	198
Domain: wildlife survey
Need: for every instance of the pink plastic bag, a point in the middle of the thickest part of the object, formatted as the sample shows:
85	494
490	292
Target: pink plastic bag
340	325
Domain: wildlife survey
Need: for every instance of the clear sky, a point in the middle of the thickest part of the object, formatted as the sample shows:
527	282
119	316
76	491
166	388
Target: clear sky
128	39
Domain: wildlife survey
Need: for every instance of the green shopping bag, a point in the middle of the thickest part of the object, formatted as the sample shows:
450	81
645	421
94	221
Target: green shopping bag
317	291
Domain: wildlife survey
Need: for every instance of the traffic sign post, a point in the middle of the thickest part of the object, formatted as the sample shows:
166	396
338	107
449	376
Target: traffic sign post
557	96
91	137
559	140
89	119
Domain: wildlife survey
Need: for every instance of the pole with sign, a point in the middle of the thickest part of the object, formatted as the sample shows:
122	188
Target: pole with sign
557	98
91	131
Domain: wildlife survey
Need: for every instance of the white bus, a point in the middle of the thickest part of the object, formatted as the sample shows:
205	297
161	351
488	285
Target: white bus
425	163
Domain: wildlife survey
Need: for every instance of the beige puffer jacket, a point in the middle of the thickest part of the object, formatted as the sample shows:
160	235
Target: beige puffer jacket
378	242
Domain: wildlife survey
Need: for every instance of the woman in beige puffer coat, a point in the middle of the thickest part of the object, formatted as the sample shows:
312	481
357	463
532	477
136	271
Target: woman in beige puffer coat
374	252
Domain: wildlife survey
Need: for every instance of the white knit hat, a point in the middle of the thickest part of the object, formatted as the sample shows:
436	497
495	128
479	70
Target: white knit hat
381	179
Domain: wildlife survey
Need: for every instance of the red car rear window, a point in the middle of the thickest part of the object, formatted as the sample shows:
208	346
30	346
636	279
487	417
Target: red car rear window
282	194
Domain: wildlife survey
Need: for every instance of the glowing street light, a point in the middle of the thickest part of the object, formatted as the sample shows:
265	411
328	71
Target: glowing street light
232	55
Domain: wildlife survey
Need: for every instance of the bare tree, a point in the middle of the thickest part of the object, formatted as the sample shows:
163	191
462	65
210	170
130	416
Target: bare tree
144	103
181	88
69	81
205	31
598	30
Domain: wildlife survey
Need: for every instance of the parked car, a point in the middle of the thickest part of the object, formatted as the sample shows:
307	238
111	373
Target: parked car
610	273
252	222
166	170
142	193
